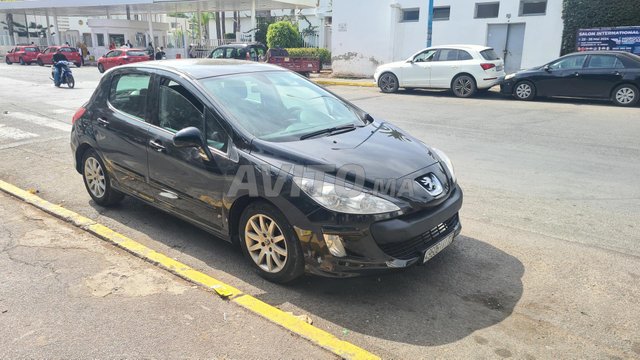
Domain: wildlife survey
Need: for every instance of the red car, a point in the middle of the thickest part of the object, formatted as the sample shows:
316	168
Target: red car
120	57
24	55
70	53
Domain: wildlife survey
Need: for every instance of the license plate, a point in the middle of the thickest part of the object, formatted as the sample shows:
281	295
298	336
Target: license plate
435	249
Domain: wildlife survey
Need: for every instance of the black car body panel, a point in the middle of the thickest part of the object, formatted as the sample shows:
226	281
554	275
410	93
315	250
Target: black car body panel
144	163
594	79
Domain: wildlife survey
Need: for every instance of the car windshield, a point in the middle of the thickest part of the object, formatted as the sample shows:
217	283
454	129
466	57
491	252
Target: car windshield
280	106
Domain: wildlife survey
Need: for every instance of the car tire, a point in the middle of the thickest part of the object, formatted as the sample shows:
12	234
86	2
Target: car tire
625	95
21	61
39	62
388	83
463	86
524	90
6	60
274	251
97	180
100	68
77	64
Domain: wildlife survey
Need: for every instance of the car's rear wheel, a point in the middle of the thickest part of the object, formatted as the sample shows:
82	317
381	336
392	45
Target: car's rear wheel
96	180
39	61
625	95
21	61
463	86
269	242
524	90
101	68
388	83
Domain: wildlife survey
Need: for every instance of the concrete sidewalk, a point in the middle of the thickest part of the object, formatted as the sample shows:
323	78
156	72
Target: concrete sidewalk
323	79
67	294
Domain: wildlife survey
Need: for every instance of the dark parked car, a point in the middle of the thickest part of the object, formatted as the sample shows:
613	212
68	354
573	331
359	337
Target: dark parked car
253	52
613	75
260	156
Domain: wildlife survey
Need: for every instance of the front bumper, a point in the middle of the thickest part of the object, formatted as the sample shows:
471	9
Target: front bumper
506	87
381	245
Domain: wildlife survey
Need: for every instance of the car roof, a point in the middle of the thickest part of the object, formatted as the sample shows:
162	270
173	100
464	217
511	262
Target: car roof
241	45
462	46
601	52
205	68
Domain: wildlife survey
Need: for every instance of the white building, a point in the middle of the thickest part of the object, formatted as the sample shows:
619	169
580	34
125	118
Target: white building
368	33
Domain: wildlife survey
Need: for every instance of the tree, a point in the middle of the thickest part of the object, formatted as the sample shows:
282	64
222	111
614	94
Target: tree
584	14
283	34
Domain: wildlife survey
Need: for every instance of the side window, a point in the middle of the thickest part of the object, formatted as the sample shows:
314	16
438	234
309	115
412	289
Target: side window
231	53
253	54
619	64
447	55
425	56
571	62
178	108
602	62
463	55
216	136
217	54
129	94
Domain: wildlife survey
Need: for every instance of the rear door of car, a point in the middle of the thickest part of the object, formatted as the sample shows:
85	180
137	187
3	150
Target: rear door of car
444	67
185	179
600	75
121	126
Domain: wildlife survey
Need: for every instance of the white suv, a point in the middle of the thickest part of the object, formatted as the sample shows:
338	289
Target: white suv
464	69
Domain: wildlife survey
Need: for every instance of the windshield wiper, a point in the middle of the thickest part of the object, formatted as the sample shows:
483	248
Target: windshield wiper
329	131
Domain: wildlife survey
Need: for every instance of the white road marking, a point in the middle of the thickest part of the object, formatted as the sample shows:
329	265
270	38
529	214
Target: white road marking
10	133
40	120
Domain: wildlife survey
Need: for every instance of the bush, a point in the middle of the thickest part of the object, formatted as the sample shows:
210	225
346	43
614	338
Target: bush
283	34
584	14
323	54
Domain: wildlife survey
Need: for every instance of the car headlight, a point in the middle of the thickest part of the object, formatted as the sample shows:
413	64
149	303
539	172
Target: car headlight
331	197
510	76
447	163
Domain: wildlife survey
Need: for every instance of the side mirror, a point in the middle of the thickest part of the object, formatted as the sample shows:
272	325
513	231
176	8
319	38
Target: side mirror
191	137
547	67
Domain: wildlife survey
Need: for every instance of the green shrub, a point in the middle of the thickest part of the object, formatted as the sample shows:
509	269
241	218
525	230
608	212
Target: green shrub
584	14
283	34
323	54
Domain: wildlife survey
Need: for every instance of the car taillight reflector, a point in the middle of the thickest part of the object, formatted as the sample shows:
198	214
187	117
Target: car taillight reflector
487	66
78	114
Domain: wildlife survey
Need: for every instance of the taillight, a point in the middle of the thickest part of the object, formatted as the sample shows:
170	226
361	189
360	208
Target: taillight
487	66
78	114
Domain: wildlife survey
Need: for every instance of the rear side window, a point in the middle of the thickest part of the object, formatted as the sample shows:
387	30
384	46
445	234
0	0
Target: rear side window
604	62
447	55
136	53
489	54
129	94
31	49
463	55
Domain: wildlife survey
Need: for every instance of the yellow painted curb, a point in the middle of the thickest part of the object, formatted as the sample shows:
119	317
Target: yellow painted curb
344	83
317	336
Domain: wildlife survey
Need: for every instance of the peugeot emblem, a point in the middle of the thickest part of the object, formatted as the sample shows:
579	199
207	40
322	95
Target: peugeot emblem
431	183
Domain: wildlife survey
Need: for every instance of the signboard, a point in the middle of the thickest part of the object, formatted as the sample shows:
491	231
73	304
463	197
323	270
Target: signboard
625	38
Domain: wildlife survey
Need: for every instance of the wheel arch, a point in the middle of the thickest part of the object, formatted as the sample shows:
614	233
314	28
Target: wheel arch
460	74
623	82
79	154
392	73
236	210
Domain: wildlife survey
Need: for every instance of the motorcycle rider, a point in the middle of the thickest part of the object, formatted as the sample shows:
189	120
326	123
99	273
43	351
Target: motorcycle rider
59	62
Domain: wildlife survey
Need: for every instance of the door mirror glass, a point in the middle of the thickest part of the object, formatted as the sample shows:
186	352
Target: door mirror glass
547	67
188	137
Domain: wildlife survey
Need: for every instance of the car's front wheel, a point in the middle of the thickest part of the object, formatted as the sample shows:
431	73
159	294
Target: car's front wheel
39	61
96	180
270	243
463	86
524	90
625	95
388	83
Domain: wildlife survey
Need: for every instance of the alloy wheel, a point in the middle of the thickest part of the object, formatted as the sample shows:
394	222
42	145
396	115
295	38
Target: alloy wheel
523	91
388	83
266	243
463	86
625	95
94	175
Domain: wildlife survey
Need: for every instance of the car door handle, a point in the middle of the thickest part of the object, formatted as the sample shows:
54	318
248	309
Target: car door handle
103	121
154	144
616	73
577	74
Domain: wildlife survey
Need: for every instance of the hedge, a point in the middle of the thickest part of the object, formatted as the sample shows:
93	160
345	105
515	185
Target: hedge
584	14
323	54
283	34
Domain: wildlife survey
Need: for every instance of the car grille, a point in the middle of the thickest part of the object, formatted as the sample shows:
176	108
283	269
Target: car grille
414	247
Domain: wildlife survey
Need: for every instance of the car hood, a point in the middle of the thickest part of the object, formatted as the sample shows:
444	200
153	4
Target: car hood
394	64
381	150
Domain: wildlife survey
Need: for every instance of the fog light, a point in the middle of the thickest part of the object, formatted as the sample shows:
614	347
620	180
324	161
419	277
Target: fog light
334	243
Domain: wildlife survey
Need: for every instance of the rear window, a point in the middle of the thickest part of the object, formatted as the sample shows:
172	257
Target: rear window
489	54
136	53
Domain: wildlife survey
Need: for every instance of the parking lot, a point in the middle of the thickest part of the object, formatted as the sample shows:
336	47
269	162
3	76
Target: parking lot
547	265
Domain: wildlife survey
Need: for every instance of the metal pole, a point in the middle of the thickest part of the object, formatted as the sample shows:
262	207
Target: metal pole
253	20
48	32
430	24
56	39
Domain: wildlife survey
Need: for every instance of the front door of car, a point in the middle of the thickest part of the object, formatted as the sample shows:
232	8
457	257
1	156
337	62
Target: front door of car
417	72
184	179
122	129
562	77
600	75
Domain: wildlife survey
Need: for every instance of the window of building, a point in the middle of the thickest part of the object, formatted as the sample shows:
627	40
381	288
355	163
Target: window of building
100	39
533	7
487	10
441	12
129	94
410	15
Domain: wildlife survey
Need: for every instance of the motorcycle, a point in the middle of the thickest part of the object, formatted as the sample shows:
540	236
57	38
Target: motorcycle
66	77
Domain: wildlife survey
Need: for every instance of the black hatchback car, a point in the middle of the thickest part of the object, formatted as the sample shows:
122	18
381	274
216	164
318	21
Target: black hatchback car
613	75
260	156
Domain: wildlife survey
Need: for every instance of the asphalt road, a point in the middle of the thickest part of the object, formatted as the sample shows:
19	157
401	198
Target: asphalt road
547	265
